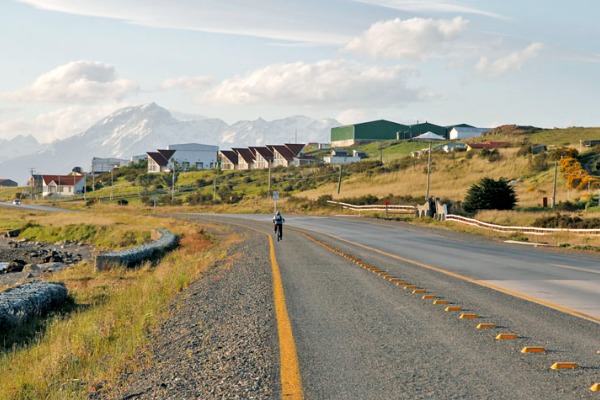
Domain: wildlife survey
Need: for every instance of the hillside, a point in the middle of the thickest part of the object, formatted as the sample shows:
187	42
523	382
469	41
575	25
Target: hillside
400	175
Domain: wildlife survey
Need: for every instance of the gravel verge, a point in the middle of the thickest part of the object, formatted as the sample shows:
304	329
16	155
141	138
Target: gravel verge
221	340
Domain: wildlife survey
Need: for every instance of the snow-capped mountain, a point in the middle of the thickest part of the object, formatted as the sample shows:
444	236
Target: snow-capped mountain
135	130
19	146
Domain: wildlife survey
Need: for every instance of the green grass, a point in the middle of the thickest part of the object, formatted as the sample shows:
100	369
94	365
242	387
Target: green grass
105	332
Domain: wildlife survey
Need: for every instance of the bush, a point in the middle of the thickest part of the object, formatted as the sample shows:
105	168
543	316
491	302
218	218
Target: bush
567	222
489	194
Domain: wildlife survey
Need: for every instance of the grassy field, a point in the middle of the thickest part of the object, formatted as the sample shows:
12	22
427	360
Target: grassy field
91	342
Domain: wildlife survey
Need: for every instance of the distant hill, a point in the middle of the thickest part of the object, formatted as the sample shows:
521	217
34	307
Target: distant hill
135	130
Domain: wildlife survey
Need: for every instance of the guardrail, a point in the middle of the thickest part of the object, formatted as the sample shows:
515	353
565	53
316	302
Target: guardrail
518	229
396	209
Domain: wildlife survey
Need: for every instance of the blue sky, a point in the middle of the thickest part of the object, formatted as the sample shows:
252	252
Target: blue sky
66	64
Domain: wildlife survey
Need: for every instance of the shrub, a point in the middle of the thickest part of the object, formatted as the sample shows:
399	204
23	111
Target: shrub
489	194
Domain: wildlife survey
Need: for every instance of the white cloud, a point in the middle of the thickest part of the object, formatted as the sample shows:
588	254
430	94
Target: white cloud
265	19
336	83
415	38
513	61
428	6
76	82
57	124
353	116
188	83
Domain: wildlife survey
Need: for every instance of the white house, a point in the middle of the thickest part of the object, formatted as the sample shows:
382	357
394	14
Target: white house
100	165
57	185
460	133
185	156
339	156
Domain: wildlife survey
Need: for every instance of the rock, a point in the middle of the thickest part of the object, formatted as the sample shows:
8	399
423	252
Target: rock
31	267
15	266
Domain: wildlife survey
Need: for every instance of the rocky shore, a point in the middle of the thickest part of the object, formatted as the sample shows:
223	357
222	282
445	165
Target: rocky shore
23	261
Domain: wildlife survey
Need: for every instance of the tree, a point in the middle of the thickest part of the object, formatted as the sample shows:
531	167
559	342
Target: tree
489	194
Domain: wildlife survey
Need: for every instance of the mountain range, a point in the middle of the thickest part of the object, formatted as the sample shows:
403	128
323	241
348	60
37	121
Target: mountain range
136	130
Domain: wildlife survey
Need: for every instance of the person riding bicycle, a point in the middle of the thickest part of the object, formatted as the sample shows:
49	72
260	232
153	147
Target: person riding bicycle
278	220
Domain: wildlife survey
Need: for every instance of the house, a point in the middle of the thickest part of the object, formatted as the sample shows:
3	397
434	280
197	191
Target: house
487	145
263	157
246	158
461	133
228	159
8	183
189	156
159	161
450	147
340	156
100	165
57	185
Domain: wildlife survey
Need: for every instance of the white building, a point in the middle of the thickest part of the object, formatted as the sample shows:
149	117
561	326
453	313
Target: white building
100	165
189	156
339	156
460	133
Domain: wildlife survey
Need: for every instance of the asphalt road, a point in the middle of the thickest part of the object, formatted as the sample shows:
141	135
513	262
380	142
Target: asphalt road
565	279
359	336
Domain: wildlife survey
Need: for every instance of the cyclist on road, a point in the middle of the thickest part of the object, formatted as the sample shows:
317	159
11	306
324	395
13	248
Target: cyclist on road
278	220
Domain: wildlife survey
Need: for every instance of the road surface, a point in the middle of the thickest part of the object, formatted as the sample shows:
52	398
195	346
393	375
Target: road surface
360	336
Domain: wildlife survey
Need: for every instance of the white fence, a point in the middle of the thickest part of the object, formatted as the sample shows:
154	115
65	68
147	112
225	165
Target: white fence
394	209
519	229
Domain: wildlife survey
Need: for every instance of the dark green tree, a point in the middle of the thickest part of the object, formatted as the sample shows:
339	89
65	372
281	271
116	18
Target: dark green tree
489	194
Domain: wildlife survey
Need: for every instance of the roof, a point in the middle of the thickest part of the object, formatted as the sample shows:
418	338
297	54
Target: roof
429	136
264	152
230	155
161	157
488	145
295	148
246	154
193	147
62	180
284	151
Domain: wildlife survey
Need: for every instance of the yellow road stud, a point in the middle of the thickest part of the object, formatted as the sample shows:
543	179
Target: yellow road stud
453	308
502	336
533	350
428	297
416	291
595	387
468	316
486	326
410	287
564	365
401	283
440	302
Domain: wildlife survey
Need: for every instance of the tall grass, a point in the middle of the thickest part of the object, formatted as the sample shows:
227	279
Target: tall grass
106	336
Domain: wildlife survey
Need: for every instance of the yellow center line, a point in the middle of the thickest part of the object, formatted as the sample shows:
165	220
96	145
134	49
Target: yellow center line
291	382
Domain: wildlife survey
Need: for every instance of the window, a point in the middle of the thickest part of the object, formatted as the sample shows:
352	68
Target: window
199	165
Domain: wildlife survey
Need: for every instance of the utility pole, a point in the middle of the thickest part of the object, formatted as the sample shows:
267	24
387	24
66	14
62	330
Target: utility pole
428	170
32	179
554	190
215	186
269	184
173	184
340	179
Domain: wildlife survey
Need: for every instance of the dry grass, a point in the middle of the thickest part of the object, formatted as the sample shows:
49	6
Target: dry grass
87	349
451	177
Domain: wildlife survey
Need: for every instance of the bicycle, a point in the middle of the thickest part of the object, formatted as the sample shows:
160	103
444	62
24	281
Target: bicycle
279	232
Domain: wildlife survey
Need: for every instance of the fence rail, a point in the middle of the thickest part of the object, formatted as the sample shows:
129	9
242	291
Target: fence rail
518	229
396	209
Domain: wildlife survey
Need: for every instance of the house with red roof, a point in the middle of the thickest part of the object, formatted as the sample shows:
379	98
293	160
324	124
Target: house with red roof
57	185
